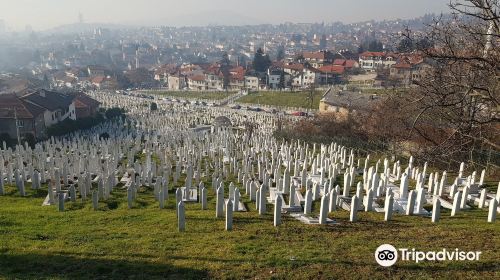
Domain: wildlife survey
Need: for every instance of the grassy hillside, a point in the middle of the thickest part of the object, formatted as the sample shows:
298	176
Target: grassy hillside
209	95
143	243
285	99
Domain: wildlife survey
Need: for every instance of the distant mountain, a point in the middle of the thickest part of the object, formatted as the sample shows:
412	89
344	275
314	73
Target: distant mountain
216	17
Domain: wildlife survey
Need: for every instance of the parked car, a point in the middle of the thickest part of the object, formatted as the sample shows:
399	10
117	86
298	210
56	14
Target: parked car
299	114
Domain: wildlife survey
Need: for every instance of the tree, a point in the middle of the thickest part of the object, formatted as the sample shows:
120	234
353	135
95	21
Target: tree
371	45
405	45
113	113
261	61
37	57
225	68
281	84
361	49
424	44
455	109
122	80
5	137
153	106
46	84
322	42
104	136
310	95
30	139
296	38
242	60
140	77
281	53
375	46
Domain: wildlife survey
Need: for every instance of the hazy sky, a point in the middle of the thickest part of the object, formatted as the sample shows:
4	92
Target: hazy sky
43	14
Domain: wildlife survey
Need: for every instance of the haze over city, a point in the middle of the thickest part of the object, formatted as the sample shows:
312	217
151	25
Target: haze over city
41	15
249	139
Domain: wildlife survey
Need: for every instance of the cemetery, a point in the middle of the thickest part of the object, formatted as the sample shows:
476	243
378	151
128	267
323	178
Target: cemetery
208	95
193	192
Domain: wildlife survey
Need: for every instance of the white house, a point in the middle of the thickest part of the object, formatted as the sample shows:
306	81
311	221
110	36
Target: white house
251	82
58	107
371	60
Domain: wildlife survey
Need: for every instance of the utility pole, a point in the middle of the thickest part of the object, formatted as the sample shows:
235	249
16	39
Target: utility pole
17	127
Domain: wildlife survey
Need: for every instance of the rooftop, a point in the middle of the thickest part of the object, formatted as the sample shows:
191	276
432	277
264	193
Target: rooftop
348	99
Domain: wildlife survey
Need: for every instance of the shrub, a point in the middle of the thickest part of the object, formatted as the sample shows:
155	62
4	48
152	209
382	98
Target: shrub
69	125
114	113
30	139
4	137
104	136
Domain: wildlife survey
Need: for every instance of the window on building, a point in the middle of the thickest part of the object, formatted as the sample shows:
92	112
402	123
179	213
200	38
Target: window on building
20	123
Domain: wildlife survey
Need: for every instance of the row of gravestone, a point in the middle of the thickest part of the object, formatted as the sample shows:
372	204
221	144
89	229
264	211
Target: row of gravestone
224	154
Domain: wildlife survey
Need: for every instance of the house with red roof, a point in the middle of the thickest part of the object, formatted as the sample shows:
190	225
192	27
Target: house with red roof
346	63
318	59
372	61
302	74
331	74
197	82
85	106
33	113
408	69
97	81
17	114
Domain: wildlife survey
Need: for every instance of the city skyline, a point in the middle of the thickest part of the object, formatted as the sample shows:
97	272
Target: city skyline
42	15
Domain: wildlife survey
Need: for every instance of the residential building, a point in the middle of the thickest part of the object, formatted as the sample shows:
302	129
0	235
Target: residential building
85	106
408	69
251	83
274	78
58	107
331	74
346	63
372	61
96	70
197	82
177	82
318	59
17	114
35	112
342	103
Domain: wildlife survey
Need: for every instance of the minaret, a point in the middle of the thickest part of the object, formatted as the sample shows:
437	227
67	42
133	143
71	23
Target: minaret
123	50
136	58
80	18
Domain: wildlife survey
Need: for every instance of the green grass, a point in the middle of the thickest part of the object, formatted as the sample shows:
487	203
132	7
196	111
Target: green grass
282	99
208	95
143	243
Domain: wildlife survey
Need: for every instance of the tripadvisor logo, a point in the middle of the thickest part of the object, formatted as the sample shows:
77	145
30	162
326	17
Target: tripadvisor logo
387	255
